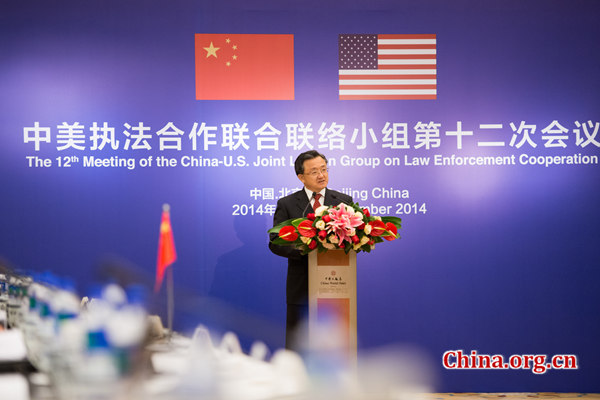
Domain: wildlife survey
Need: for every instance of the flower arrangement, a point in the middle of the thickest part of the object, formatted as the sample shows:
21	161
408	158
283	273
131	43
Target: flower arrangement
345	227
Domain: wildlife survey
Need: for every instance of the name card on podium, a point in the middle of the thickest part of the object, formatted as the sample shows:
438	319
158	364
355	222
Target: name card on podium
332	300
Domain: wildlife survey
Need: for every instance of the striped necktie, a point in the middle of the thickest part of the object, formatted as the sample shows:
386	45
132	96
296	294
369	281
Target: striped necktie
317	203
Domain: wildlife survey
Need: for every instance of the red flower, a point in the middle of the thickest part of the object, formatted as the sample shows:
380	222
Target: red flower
371	242
391	228
377	228
312	245
311	216
306	229
355	239
322	235
366	212
361	226
288	233
326	218
341	245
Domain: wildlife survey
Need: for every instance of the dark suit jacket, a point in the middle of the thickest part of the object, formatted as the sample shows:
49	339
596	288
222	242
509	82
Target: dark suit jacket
296	205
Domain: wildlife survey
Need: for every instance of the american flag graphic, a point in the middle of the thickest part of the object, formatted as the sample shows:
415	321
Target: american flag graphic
387	67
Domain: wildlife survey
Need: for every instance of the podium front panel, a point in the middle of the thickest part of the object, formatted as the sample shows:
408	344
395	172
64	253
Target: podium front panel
332	300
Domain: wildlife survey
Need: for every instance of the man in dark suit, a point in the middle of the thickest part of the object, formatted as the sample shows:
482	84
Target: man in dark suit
311	169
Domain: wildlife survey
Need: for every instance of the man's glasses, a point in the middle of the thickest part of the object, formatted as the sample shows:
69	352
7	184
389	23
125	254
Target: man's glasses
314	174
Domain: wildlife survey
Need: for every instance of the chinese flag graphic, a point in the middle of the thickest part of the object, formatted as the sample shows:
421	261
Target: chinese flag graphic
244	67
166	248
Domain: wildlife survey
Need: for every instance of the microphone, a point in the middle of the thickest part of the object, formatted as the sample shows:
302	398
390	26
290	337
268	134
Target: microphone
309	200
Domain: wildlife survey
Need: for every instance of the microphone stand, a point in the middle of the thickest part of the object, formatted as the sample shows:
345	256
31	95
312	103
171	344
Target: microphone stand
309	200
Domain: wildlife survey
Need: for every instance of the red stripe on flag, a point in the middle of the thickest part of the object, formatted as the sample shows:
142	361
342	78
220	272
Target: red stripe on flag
390	97
406	46
408	36
379	77
408	66
406	87
406	57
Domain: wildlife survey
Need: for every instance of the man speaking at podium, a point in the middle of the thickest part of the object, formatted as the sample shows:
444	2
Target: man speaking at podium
311	169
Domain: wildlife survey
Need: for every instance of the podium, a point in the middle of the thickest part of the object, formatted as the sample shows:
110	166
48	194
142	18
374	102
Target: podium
332	300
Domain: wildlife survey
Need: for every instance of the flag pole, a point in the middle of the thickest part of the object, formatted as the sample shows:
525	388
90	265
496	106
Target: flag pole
170	290
170	301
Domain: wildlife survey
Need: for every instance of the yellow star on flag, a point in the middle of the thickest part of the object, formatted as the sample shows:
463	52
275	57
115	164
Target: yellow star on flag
211	50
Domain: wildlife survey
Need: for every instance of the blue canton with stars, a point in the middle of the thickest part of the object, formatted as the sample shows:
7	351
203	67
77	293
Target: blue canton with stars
357	51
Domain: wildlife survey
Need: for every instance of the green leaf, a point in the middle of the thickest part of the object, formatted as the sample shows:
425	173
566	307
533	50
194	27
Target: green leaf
294	221
297	222
394	220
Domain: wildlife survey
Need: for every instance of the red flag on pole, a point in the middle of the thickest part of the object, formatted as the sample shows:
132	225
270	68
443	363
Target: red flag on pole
166	248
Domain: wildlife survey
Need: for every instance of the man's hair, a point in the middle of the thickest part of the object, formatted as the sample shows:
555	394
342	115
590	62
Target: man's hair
307	155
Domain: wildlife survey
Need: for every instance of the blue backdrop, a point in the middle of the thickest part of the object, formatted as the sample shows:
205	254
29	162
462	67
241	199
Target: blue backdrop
502	259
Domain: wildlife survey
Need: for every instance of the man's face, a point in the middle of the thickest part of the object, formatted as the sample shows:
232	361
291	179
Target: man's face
315	176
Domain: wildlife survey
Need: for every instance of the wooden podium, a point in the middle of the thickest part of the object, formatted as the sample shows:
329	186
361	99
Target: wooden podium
332	299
